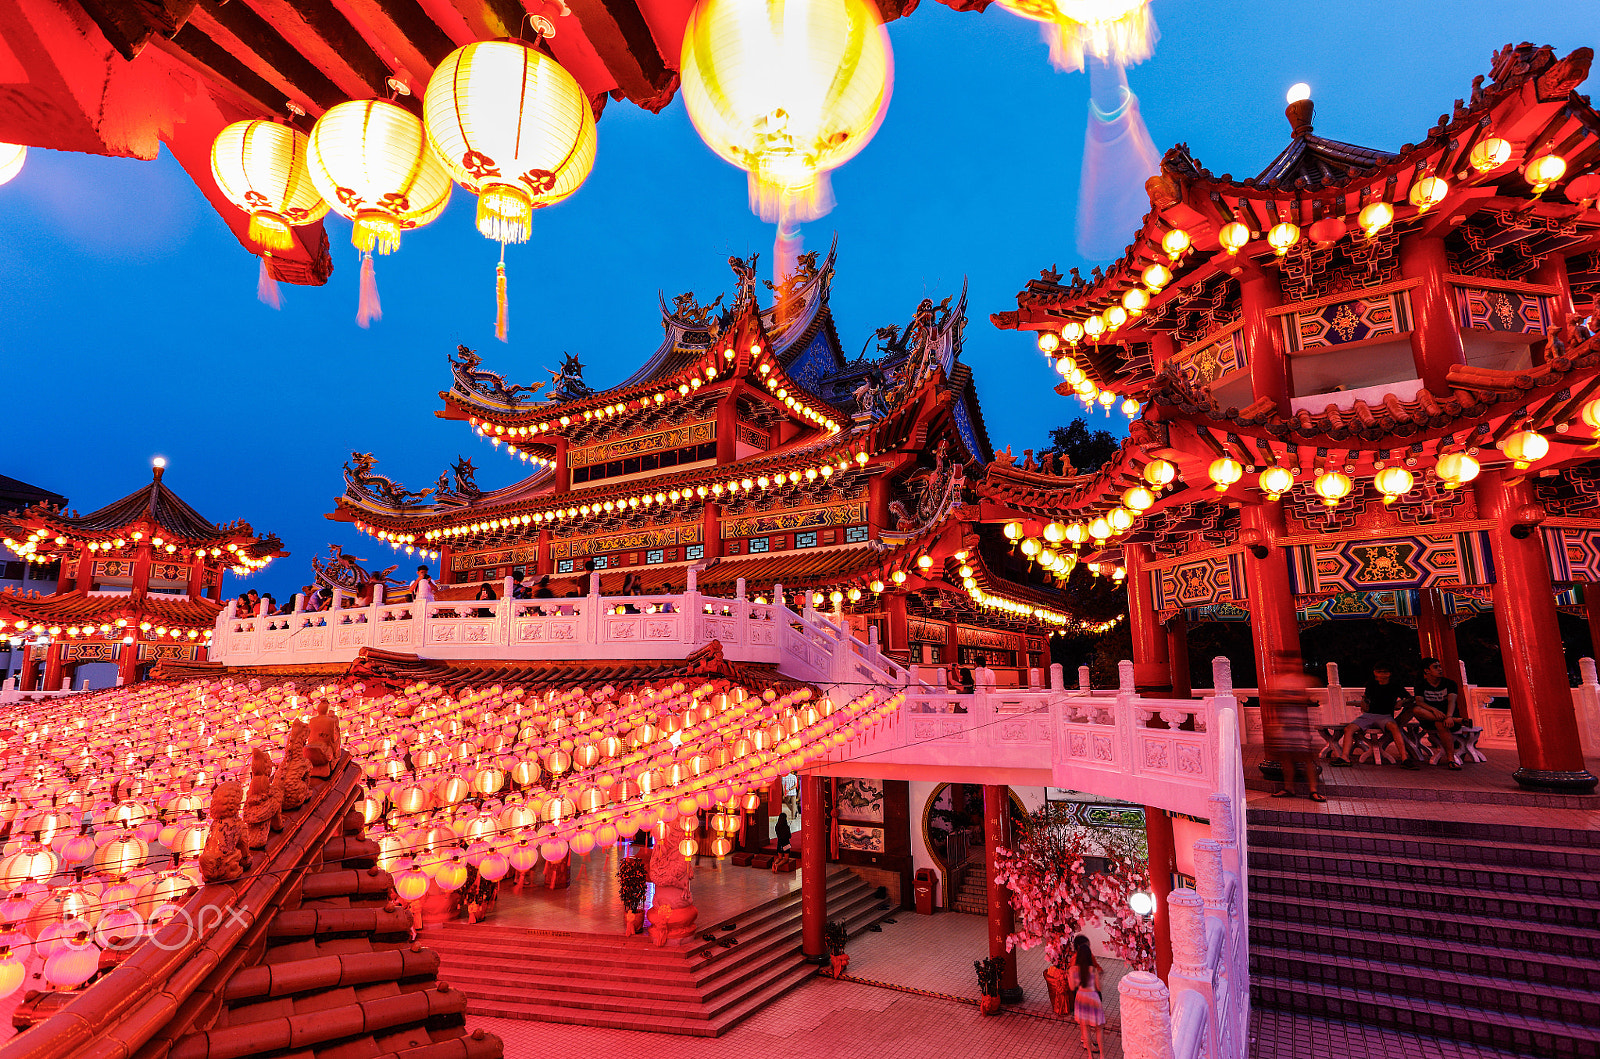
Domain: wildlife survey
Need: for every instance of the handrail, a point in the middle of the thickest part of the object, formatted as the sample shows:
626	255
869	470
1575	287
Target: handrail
133	1003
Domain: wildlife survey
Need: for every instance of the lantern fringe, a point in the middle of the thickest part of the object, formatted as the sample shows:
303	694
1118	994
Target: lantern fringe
1124	41
271	232
369	308
267	288
785	203
500	319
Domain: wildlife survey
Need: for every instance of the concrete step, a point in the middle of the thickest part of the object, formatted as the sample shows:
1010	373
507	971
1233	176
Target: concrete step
1537	970
1479	851
1418	872
1491	1027
1465	831
1565	912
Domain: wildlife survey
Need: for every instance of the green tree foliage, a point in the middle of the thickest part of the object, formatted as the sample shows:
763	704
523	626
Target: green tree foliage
1085	449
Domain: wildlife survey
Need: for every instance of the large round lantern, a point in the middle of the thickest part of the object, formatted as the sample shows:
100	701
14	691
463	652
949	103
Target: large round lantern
1525	447
787	90
12	155
513	128
1456	469
261	167
1393	483
370	160
1116	32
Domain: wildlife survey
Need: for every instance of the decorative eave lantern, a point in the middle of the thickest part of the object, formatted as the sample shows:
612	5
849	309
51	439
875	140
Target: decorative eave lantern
371	161
1116	32
12	156
514	128
786	90
260	166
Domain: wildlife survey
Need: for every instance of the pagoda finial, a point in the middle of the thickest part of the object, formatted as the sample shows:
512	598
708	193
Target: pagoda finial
1300	110
158	467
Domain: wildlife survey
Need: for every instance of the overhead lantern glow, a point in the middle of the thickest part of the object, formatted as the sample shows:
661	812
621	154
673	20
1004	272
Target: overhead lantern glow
1283	236
514	128
1428	193
1049	342
1375	217
1525	447
1233	237
1456	469
260	166
1159	472
1175	243
1544	171
1275	481
1489	154
370	160
786	90
1156	276
12	156
1224	472
1393	483
1299	92
1333	487
1116	32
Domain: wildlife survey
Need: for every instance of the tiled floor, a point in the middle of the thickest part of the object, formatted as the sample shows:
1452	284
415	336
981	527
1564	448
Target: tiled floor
1279	1035
822	1019
590	904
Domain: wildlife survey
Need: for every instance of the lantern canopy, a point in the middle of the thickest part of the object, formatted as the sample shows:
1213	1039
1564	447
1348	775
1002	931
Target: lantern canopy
512	127
371	161
786	90
1116	32
261	167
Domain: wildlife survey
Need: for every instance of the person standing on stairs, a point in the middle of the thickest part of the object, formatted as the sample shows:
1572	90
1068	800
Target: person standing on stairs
1286	725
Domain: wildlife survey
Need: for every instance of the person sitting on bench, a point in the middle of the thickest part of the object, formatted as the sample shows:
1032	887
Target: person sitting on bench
1379	701
1437	703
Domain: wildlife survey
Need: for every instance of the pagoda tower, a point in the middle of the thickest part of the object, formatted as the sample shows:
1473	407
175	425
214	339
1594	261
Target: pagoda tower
1365	387
140	582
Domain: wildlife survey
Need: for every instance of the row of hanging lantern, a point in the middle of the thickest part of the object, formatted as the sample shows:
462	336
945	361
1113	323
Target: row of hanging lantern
1542	171
786	90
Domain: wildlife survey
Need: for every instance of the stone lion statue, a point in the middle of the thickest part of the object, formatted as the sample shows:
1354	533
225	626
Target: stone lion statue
226	854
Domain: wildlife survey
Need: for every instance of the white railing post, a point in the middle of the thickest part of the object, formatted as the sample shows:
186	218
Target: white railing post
1083	678
299	602
1334	711
741	614
1058	681
1125	685
594	622
1191	962
1146	1017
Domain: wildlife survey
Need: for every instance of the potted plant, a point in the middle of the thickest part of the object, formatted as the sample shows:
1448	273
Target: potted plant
835	935
631	888
1064	876
989	983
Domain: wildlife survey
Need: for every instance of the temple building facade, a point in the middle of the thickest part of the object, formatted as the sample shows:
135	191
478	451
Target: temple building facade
1367	384
140	582
751	454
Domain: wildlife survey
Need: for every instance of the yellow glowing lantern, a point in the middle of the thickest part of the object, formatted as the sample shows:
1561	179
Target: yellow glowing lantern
1159	472
1094	326
1175	243
1120	519
1049	342
514	128
1100	529
1427	193
1072	331
1544	171
1118	32
1375	217
1234	236
1283	236
1030	547
1393	483
1456	469
1054	533
1130	407
12	155
1590	413
1066	366
1224	472
260	166
1156	277
1138	498
1489	154
1525	447
1077	533
370	160
1333	487
1013	531
1275	481
1116	316
786	90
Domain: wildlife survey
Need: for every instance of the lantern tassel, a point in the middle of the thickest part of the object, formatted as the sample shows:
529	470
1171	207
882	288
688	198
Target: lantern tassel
369	308
500	297
267	288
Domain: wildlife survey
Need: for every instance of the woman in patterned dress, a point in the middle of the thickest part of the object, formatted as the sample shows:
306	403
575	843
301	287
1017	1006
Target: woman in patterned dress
1083	976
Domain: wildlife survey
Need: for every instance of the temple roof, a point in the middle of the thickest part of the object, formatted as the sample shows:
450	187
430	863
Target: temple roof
1314	161
101	608
16	495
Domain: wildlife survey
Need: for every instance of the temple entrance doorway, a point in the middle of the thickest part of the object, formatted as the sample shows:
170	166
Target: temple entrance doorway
952	830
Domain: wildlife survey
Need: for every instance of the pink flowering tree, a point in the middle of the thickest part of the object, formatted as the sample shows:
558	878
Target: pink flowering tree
1058	886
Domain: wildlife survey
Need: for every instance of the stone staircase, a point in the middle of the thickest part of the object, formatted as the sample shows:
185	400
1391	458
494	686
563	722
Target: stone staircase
1473	932
338	977
697	990
973	895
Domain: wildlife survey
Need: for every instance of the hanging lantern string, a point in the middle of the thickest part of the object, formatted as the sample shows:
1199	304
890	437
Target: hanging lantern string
501	311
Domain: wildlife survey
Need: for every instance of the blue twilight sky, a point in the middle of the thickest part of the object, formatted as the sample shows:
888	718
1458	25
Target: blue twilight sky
129	325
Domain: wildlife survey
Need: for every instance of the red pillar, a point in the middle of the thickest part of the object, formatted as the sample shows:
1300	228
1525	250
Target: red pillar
996	833
52	668
1178	656
1152	673
813	870
1274	628
711	529
1435	334
29	680
563	480
1530	641
728	428
896	629
1269	376
1437	635
128	662
952	649
1163	859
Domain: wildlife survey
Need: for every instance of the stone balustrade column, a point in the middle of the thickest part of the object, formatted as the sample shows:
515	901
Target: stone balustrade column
1146	1016
1083	678
1186	918
1210	882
